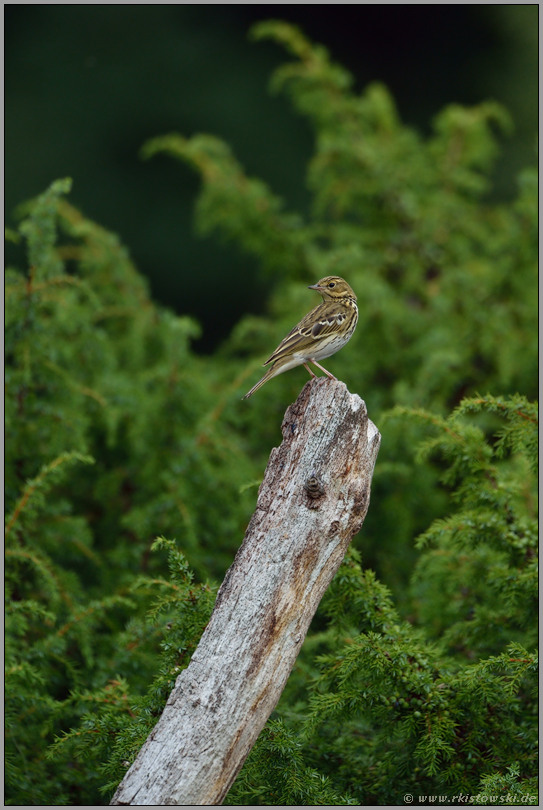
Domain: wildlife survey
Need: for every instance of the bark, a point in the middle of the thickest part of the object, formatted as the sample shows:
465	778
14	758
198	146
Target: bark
313	499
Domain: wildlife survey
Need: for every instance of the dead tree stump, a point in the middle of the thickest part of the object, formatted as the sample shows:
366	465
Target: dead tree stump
312	501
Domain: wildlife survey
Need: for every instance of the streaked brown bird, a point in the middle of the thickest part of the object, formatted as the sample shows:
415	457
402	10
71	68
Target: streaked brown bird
323	332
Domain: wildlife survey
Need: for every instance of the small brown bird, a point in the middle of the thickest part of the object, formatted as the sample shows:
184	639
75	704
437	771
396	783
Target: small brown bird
323	332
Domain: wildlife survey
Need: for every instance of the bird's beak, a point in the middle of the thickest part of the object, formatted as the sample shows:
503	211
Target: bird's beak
314	287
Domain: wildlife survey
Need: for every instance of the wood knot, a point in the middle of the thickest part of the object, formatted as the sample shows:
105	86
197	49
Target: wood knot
313	486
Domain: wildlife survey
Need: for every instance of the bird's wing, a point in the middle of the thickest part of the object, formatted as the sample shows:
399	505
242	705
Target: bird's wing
323	322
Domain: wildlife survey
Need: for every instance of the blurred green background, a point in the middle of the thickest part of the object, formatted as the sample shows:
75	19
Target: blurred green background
87	85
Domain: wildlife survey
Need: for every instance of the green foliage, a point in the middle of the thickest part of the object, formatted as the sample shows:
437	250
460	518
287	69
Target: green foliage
95	371
117	432
243	209
112	712
477	582
283	777
507	789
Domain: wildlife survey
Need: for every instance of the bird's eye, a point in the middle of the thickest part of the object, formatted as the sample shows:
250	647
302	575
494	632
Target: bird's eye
332	284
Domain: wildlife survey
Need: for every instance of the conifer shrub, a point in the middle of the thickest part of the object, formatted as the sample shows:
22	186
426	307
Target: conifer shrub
418	675
112	431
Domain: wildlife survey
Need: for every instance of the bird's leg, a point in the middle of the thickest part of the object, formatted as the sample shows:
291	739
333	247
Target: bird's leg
310	371
323	369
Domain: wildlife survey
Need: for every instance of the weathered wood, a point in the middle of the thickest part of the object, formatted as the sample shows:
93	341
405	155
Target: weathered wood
313	499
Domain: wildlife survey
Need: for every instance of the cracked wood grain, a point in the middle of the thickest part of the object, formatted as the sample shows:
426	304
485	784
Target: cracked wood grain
312	501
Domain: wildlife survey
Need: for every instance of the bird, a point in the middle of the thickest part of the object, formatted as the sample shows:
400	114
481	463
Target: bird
323	332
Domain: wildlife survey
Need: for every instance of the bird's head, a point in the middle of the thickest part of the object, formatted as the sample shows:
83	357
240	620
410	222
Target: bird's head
333	288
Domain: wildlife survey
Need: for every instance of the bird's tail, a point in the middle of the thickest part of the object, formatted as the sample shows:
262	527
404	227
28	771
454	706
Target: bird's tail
278	367
267	376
